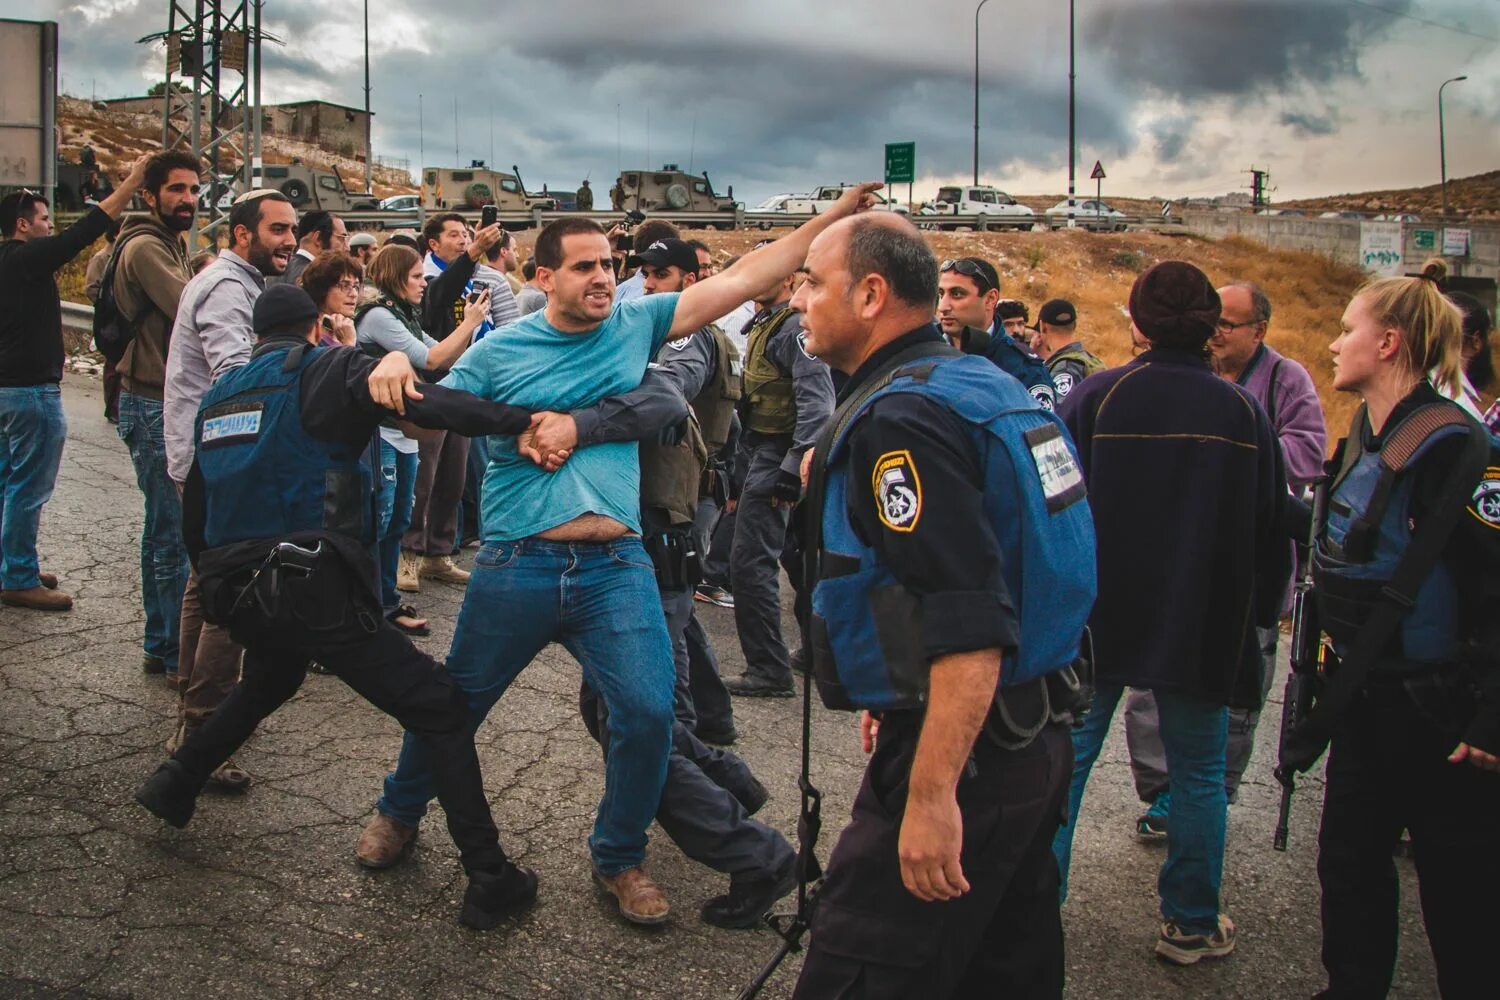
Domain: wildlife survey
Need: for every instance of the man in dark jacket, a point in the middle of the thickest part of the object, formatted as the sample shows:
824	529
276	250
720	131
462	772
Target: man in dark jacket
1186	482
32	426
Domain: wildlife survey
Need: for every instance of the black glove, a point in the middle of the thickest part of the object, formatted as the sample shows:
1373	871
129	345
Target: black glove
787	488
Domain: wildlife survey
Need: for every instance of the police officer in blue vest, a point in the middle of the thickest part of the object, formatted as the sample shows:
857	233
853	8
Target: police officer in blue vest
278	520
954	570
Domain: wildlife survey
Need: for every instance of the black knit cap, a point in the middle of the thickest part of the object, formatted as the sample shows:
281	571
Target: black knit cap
283	309
1175	305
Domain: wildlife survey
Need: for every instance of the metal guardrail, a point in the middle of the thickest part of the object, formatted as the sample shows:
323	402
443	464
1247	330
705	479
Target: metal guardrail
78	317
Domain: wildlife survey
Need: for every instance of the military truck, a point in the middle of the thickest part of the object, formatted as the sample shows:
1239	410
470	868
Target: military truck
307	188
669	190
453	189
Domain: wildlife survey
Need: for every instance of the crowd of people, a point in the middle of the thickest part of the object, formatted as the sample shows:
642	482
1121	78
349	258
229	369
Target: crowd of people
622	428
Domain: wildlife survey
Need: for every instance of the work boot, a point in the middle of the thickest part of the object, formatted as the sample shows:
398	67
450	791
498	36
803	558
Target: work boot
748	686
408	580
749	900
493	896
641	901
169	794
38	598
442	569
383	842
230	777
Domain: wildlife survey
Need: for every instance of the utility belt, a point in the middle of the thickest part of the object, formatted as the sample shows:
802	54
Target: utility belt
1447	696
304	590
675	555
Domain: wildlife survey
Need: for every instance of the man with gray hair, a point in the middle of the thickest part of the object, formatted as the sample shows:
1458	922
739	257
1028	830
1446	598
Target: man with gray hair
1286	392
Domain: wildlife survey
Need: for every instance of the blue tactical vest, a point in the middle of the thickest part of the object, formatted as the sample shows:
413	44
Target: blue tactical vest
264	475
1035	503
1020	361
1366	532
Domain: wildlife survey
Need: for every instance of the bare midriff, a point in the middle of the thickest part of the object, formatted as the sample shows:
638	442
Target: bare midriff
587	528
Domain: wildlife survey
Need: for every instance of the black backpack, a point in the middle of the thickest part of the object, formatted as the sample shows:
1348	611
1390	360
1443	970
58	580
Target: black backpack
112	331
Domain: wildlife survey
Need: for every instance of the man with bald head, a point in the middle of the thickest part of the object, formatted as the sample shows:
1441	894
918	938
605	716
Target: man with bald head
919	494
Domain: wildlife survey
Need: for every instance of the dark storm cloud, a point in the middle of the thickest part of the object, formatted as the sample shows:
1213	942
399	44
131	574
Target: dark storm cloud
1304	124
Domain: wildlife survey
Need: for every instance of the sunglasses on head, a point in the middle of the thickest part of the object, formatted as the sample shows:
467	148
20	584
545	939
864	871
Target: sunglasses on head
969	269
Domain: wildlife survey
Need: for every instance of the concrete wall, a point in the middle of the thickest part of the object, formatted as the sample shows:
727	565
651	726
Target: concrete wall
328	124
1339	238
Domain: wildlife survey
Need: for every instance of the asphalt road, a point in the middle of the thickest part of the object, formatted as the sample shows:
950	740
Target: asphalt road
260	896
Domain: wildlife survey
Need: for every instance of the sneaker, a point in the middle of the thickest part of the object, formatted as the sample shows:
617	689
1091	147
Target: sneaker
1151	825
169	794
748	901
408	579
493	896
1181	948
443	569
38	598
641	900
230	777
383	842
747	686
710	594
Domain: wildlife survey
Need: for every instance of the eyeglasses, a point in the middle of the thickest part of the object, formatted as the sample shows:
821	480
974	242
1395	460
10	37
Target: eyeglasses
969	269
349	285
1224	326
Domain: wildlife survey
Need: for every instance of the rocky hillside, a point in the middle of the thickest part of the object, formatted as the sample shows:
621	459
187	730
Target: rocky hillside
1476	197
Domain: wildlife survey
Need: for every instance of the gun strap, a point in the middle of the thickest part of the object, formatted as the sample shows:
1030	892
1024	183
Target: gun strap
1399	596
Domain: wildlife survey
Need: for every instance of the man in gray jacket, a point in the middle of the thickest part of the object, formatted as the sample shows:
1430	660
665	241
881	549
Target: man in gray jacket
213	335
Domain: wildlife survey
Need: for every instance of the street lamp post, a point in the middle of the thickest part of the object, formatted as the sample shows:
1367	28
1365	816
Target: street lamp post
976	89
1072	77
1443	141
369	147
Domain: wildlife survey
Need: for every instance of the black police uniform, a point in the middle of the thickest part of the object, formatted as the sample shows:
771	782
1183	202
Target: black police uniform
1388	769
366	652
870	936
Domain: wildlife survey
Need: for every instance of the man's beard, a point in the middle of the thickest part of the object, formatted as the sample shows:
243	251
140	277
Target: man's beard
263	259
177	221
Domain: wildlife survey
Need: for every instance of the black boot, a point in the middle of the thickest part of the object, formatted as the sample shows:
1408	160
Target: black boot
493	896
169	794
749	900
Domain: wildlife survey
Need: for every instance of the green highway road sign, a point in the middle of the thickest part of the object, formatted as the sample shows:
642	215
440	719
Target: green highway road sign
900	162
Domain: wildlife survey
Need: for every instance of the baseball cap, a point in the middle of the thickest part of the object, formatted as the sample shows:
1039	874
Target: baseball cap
362	240
669	253
1058	312
283	309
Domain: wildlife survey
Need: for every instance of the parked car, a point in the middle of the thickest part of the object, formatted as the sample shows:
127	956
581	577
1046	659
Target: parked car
978	201
823	198
1089	213
778	202
1341	215
1398	217
401	203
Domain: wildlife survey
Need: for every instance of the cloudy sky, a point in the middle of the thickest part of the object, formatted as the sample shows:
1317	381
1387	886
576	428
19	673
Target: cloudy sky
1176	97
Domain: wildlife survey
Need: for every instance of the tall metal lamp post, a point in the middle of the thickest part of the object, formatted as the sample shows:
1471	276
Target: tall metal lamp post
976	89
1443	141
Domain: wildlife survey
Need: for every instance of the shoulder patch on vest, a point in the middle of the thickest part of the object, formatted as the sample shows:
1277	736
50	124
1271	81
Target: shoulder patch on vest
802	346
680	342
1064	383
1486	505
231	422
1042	395
898	491
1062	480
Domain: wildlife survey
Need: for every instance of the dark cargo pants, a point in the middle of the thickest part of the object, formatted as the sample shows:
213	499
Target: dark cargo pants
754	563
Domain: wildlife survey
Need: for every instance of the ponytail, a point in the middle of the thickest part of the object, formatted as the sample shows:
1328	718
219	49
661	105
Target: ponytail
1431	326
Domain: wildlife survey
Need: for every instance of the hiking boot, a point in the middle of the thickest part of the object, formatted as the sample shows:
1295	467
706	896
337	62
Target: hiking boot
493	896
710	594
641	901
37	598
230	777
169	794
408	579
442	569
1151	825
748	900
1182	948
747	686
383	842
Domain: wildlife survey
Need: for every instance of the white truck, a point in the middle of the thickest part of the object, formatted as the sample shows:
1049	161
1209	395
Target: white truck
822	199
977	200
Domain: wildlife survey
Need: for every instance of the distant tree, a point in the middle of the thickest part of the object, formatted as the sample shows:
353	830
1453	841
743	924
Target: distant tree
160	87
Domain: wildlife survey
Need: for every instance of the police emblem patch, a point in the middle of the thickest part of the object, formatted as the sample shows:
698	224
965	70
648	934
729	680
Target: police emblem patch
898	491
1043	396
802	343
1486	504
1064	383
680	342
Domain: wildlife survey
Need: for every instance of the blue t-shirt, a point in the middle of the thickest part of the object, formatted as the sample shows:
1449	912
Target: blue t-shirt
531	364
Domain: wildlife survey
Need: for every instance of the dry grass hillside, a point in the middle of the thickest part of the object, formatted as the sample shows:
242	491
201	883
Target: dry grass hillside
1476	197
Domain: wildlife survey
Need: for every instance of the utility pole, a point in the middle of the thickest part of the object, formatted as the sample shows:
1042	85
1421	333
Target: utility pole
1072	131
976	89
1443	141
369	146
456	162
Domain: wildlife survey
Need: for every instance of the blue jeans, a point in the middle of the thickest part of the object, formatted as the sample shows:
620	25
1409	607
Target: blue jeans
164	560
1195	734
598	599
398	485
32	432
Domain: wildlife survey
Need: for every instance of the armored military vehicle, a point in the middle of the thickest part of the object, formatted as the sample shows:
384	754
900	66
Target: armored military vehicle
669	190
451	189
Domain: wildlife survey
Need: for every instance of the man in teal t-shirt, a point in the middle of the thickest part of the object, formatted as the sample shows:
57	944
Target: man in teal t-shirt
562	559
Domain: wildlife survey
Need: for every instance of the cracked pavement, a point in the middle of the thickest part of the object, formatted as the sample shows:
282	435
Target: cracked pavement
260	895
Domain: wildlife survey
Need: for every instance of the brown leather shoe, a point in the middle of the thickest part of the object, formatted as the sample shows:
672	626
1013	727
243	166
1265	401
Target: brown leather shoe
442	568
49	580
641	900
383	842
37	598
